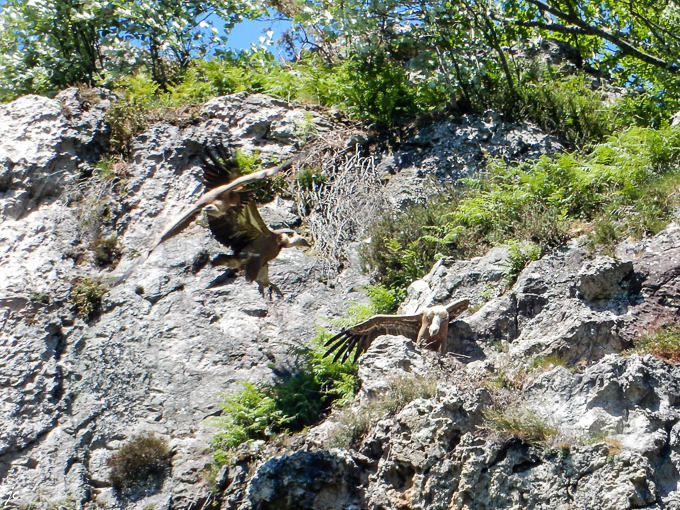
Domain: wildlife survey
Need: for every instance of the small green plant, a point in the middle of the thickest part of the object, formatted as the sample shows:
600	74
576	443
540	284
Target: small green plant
40	297
145	459
487	293
126	119
247	163
544	363
614	446
664	343
106	251
248	414
306	129
520	422
86	297
311	178
293	402
520	254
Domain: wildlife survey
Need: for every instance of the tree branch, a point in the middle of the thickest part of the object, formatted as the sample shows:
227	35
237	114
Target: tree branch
623	45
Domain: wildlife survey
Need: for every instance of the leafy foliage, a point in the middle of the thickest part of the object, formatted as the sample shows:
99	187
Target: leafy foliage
567	107
144	459
294	401
48	44
625	186
520	254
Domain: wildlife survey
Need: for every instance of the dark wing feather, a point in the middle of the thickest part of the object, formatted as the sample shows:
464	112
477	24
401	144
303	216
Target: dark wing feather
219	167
362	335
457	307
240	227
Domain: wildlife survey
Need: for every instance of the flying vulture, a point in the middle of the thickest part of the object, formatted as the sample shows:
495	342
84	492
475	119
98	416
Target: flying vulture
429	328
234	220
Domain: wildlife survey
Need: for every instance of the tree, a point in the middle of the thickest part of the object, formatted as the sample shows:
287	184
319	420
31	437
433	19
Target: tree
48	44
623	35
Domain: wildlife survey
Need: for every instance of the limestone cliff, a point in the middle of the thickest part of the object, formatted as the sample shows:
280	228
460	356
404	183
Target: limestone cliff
177	333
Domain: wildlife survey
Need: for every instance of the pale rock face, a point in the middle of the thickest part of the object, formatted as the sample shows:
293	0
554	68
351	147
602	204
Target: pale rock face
167	341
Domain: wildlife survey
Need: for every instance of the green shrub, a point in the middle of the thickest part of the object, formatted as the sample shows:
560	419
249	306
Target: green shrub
145	459
126	119
105	251
520	254
564	106
351	425
544	363
664	343
310	178
293	402
40	297
404	390
86	297
404	246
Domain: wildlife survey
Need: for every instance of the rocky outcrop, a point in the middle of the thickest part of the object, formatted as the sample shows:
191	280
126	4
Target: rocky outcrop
612	418
440	154
614	445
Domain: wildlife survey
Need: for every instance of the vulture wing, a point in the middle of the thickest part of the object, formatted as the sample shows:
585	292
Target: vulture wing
240	227
219	167
457	307
186	217
362	335
182	221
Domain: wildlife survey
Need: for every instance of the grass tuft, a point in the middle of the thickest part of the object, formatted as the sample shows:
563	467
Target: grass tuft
519	422
352	424
145	459
663	343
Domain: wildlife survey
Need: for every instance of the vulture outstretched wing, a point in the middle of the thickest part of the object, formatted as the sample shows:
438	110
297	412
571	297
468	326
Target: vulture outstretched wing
457	307
217	189
362	335
184	220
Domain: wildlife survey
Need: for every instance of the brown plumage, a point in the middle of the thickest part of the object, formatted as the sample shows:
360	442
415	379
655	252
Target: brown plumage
429	328
233	218
253	244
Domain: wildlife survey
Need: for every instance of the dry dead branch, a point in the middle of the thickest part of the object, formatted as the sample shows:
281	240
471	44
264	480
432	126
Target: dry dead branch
337	211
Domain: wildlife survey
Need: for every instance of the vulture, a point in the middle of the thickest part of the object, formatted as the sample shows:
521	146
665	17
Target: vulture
429	328
234	220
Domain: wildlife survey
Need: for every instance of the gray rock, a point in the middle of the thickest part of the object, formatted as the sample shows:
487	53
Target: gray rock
167	342
323	480
163	345
605	278
440	154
